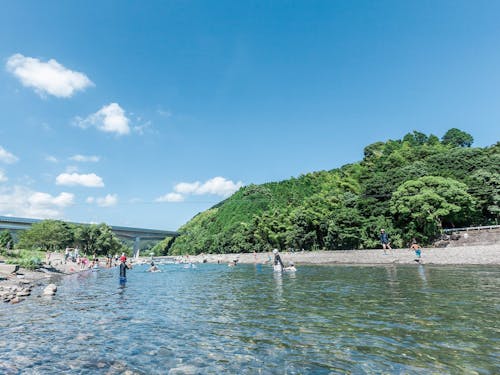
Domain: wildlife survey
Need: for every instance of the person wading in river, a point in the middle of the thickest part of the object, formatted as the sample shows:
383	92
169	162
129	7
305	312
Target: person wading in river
278	263
123	270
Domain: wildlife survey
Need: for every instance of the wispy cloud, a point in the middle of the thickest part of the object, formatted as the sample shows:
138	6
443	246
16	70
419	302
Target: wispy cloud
51	159
3	177
74	179
84	159
141	129
170	197
215	186
22	201
164	113
108	201
110	119
47	77
7	157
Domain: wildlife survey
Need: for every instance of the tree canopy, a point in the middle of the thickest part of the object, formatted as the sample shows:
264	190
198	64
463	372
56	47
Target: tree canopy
53	235
458	138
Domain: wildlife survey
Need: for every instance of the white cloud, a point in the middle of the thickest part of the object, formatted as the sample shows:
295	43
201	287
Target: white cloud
219	186
84	159
72	179
107	201
51	159
187	188
170	197
216	186
7	157
110	119
47	77
3	177
21	201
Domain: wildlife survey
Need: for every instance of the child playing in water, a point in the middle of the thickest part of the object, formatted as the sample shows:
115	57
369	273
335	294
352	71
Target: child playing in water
418	250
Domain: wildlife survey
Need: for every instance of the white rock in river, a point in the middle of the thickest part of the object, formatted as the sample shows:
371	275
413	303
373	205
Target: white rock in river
50	290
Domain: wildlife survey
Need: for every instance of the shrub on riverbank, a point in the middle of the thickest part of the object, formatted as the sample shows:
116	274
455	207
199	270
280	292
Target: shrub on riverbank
29	259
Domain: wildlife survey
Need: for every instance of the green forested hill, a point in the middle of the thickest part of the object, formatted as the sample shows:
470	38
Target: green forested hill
412	187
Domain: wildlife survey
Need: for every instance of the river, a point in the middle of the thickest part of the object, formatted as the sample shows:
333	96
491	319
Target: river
215	319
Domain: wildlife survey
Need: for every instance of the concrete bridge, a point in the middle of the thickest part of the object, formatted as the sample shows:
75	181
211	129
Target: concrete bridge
135	234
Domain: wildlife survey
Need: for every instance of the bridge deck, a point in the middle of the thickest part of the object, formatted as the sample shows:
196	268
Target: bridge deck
19	223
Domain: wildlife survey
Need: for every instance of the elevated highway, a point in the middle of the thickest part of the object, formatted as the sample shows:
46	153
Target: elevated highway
130	233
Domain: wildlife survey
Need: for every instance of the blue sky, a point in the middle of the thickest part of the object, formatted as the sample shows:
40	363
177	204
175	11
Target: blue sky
146	113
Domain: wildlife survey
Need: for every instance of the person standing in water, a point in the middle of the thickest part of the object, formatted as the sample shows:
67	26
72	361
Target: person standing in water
278	263
123	270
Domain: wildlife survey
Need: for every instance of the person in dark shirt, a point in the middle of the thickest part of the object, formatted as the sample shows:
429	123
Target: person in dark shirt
384	239
278	263
123	271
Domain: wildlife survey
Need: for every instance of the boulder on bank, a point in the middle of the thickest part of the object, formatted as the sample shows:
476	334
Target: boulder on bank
7	269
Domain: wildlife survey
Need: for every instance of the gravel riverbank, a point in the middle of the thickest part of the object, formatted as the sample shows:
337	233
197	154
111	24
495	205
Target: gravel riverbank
487	254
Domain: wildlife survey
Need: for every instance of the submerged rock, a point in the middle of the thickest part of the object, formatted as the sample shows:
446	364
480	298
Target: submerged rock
16	300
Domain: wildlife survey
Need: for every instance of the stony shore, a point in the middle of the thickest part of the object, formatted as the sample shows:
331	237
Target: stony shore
16	287
463	255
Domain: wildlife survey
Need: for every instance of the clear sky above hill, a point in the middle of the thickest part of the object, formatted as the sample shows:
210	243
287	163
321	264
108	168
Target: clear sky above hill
146	113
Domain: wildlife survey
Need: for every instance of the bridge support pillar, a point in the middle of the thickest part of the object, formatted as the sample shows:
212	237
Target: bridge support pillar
137	242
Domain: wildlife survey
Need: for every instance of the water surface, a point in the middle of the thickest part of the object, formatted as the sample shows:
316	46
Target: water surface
248	320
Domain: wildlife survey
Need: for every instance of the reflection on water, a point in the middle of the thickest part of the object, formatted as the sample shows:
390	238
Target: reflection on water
250	320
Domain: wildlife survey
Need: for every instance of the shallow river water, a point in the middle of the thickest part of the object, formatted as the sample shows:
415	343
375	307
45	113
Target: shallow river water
214	319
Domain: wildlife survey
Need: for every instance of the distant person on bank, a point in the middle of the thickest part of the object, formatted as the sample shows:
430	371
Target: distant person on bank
384	240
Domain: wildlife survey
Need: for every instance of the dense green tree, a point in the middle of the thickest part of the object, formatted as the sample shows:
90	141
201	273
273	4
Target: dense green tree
457	138
86	237
485	187
416	138
107	242
98	239
47	235
431	200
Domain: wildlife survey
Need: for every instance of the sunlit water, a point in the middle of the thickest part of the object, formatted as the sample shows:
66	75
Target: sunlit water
248	320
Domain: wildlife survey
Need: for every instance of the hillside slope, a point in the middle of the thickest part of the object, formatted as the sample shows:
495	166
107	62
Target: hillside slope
411	187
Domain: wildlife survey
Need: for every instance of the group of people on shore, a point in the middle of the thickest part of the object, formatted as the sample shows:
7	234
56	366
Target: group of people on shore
73	255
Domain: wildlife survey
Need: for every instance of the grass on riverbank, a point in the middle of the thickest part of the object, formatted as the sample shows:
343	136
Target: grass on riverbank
29	259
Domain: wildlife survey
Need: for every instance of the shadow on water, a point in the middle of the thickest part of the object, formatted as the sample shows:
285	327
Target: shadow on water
249	319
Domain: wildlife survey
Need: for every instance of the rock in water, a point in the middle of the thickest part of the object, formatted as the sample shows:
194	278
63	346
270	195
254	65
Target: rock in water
50	290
